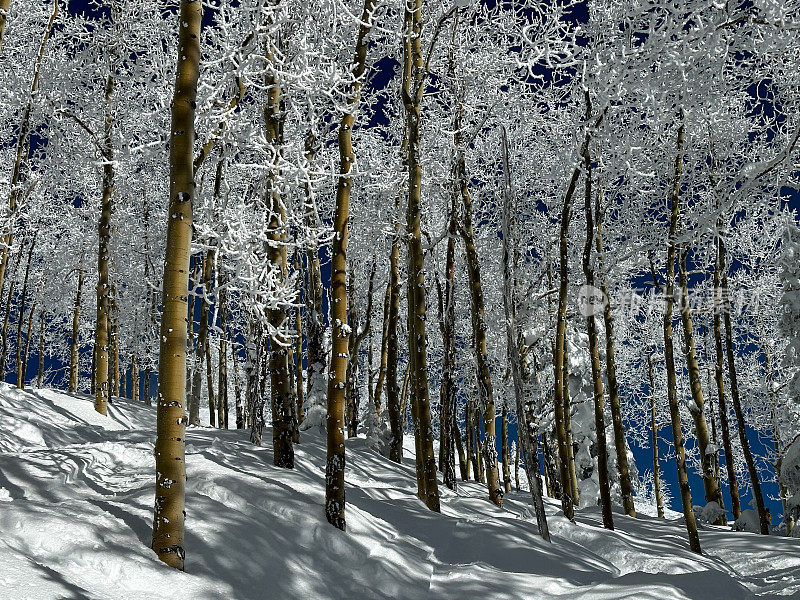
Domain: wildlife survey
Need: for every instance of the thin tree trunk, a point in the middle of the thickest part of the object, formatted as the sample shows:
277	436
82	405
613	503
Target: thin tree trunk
222	377
448	425
737	406
733	485
654	431
40	370
298	356
23	138
74	356
713	492
203	357
193	377
623	469
168	521
134	395
393	406
669	355
23	376
21	318
594	353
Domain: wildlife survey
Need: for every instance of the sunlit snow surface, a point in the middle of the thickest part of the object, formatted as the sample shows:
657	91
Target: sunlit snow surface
76	495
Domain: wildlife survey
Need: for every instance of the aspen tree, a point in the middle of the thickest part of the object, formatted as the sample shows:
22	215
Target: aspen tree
5	5
393	400
21	317
669	355
40	371
594	354
623	469
168	520
335	464
713	491
526	432
654	438
74	365
24	131
741	425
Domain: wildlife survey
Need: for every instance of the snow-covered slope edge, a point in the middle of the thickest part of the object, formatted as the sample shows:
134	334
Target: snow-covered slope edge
76	493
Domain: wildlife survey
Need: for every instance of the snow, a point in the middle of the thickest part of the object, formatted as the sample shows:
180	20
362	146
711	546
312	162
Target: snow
76	495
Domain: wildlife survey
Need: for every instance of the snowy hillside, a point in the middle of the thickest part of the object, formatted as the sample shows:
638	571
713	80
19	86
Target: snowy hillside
76	495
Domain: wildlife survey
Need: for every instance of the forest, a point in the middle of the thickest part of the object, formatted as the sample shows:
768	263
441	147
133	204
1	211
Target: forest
541	257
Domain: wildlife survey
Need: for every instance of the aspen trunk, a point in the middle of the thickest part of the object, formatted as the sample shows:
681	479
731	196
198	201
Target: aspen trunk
40	370
4	8
101	332
23	372
113	335
654	430
741	426
193	377
222	376
384	354
392	387
21	318
412	93
168	521
448	425
623	469
74	356
134	395
315	329
335	465
463	462
713	491
202	357
7	315
594	353
470	462
281	390
561	397
298	359
669	355
720	381
23	137
485	390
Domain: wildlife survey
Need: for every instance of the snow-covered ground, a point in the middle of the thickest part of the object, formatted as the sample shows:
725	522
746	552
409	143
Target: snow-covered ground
76	495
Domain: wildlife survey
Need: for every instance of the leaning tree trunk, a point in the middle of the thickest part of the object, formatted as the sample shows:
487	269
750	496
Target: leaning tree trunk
594	353
720	380
526	433
741	426
669	354
485	390
24	131
412	93
623	469
713	491
334	469
168	521
561	397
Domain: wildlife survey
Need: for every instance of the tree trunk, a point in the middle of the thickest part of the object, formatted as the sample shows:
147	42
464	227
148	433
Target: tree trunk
23	138
669	355
723	408
203	357
448	425
168	522
298	357
412	92
101	332
74	356
741	426
713	492
594	353
222	376
4	9
623	469
134	395
21	318
392	387
654	430
24	370
334	469
40	371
